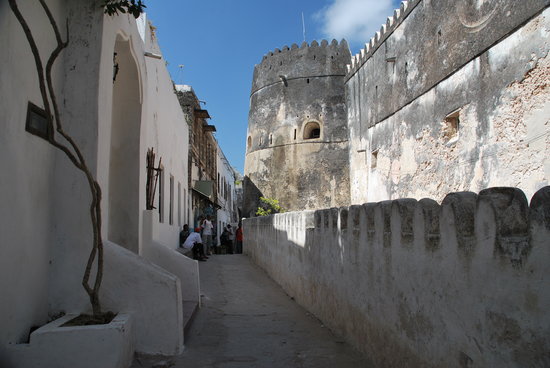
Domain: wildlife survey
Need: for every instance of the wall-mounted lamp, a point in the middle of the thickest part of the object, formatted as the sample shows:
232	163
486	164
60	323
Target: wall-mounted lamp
152	55
283	78
115	67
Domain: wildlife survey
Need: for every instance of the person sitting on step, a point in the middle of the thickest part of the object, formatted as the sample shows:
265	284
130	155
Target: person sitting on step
194	241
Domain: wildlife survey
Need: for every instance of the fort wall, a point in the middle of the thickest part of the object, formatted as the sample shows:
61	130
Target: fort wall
451	96
416	283
297	141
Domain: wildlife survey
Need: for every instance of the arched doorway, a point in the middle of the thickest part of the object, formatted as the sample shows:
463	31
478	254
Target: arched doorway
124	152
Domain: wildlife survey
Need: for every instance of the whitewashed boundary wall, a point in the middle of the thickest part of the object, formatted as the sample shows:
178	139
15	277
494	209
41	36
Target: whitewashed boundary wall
185	268
418	284
150	294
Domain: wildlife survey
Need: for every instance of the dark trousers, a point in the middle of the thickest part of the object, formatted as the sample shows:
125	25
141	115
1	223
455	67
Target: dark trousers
198	251
230	247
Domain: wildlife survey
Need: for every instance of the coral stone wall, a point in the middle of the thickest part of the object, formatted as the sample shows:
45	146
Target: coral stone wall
419	284
294	92
451	96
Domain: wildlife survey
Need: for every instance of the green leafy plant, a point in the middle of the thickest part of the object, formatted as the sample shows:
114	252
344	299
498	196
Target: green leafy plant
269	206
133	7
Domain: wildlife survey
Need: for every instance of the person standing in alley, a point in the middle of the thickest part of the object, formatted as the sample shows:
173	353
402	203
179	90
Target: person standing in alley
230	239
207	235
239	239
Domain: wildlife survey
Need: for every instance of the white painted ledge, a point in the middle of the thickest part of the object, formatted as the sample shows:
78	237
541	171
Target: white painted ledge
108	346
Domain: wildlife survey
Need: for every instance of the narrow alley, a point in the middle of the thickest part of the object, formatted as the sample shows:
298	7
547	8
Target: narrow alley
247	320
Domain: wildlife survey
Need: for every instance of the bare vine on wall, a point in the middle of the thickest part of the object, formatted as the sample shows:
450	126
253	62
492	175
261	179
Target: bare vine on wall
64	142
61	140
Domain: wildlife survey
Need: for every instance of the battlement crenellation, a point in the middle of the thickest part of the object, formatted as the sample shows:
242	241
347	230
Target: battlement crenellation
334	44
392	22
304	61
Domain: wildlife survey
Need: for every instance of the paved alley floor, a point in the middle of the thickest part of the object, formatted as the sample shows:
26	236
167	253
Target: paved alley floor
247	320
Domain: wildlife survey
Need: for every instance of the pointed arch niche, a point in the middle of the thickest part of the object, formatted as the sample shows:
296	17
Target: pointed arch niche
124	152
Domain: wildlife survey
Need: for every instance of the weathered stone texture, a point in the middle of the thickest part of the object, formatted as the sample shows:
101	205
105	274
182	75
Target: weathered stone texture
449	97
495	79
435	40
291	88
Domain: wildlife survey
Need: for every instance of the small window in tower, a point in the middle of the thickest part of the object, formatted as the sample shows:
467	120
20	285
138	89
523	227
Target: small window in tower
249	142
271	139
374	159
449	130
294	134
312	130
261	141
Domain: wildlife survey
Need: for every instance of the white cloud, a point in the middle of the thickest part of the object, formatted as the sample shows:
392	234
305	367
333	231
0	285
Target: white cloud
355	20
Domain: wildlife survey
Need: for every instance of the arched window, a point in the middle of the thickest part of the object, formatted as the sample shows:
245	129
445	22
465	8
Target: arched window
312	130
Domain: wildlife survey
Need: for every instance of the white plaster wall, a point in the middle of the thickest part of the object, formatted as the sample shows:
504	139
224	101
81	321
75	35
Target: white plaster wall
418	284
162	127
185	268
503	97
71	227
124	27
225	214
167	131
125	159
46	221
27	163
150	294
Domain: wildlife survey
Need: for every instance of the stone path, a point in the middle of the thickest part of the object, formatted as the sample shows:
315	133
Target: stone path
247	320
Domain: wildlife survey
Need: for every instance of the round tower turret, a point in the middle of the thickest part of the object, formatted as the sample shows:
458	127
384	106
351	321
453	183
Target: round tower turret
297	141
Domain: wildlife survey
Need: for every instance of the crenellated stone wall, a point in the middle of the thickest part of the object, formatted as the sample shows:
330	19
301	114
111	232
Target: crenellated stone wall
415	283
451	96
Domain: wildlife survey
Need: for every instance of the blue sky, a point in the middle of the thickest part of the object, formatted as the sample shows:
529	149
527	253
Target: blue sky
220	41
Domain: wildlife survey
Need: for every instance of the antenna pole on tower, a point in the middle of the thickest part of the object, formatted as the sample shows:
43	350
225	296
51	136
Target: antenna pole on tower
304	26
180	73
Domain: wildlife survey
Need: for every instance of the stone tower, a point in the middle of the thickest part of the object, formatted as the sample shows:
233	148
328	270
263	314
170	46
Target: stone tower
297	141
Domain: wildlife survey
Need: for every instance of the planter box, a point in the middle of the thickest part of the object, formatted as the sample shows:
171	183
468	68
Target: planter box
106	346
